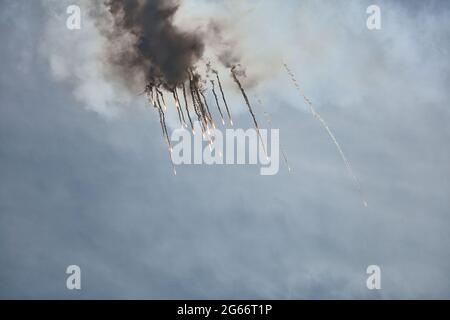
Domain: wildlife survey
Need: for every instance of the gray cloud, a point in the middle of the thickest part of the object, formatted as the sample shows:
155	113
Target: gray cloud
79	189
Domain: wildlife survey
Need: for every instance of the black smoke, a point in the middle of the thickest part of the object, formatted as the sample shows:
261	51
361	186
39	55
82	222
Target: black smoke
163	52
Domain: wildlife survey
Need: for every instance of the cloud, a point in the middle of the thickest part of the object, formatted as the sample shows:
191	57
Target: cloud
76	189
78	57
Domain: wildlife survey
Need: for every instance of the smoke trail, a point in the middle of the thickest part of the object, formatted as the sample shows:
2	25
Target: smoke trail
217	101
194	102
202	108
196	107
177	107
330	133
162	121
223	97
200	103
187	108
233	73
158	92
207	109
181	108
269	121
148	91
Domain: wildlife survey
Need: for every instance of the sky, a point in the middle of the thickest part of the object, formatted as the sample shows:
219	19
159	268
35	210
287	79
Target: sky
85	178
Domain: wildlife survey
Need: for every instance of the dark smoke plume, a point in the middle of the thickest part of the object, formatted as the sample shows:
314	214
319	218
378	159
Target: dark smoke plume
163	52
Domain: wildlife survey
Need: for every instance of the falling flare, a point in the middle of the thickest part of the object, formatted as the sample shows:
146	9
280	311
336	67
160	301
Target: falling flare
233	73
207	109
204	116
163	123
330	133
223	97
194	102
162	98
178	104
187	108
217	102
164	131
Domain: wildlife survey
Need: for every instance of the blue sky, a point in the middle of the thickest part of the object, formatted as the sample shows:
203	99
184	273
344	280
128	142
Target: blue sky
81	184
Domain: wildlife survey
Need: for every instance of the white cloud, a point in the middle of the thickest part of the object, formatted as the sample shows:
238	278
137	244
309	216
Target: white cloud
78	57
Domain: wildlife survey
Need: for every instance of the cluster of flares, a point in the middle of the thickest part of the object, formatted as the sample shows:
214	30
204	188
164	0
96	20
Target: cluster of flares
196	89
193	91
